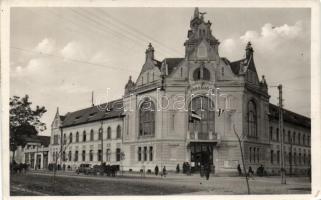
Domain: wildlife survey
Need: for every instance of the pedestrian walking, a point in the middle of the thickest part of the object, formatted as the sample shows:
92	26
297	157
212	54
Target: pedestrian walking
239	169
164	171
207	170
156	170
251	172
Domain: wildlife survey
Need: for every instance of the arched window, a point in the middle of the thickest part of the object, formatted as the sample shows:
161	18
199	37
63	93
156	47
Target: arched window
118	133
77	137
147	118
84	136
202	116
70	138
201	73
304	143
109	133
69	155
91	135
252	119
299	138
100	134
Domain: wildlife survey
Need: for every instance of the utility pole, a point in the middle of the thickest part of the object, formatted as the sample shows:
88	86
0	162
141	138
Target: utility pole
282	171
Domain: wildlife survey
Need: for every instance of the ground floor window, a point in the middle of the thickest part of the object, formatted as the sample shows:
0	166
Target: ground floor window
83	155
150	153
76	156
91	156
271	156
139	153
118	154
99	155
69	156
145	153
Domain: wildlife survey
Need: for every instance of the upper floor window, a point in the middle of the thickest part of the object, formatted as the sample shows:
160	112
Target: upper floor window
100	134
201	73
55	139
109	133
84	136
202	116
77	137
271	133
147	118
252	119
70	138
118	133
91	135
293	138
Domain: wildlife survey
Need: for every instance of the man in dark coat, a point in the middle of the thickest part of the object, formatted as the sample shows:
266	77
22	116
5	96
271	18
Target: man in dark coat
239	169
156	170
207	170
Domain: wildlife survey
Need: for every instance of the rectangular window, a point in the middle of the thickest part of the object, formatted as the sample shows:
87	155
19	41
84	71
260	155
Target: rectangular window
55	139
91	156
118	152
278	156
139	154
83	155
271	133
254	154
99	155
76	156
150	153
271	156
145	153
250	154
258	155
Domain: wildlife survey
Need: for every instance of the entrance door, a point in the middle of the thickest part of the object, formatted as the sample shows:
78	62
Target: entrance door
201	154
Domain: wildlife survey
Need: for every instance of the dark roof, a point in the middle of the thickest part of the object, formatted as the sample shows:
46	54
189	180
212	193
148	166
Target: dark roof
172	63
236	65
94	113
62	118
290	117
43	140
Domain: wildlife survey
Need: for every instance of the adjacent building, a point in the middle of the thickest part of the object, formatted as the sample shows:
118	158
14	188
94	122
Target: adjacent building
186	109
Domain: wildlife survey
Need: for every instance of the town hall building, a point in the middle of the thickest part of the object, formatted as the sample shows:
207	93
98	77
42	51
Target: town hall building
187	109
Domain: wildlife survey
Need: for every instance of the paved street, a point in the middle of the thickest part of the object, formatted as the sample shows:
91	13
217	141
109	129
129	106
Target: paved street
41	183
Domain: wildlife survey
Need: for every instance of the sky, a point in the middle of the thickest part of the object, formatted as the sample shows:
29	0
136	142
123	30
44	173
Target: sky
58	56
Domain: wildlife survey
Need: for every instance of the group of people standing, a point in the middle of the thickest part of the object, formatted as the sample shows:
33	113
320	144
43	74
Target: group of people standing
250	172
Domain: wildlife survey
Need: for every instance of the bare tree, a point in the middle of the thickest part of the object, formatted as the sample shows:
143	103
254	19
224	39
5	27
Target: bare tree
64	147
243	163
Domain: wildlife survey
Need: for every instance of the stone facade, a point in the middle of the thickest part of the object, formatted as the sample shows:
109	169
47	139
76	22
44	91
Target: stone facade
196	105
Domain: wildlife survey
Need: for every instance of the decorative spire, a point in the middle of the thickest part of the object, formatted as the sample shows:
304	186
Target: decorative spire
150	52
196	13
249	51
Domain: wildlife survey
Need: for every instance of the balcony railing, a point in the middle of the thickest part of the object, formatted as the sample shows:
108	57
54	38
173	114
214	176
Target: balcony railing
202	135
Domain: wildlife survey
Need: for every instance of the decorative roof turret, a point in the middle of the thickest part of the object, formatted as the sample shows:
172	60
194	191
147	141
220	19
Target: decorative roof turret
249	51
150	52
129	86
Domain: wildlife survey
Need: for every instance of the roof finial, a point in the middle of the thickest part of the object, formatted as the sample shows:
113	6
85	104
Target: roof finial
150	52
249	50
